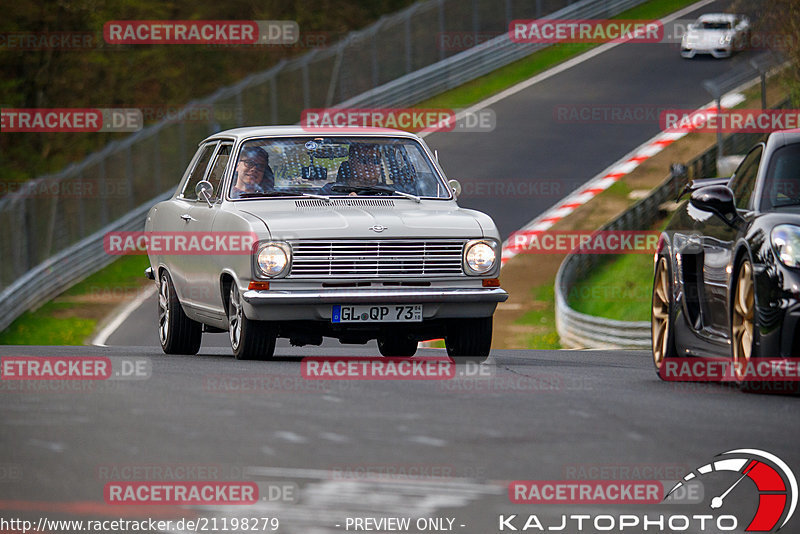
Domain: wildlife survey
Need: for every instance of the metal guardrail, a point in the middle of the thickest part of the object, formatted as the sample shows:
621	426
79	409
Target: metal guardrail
581	330
51	241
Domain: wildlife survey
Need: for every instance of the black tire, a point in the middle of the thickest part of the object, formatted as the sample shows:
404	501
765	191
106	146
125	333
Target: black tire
250	340
662	331
178	334
469	339
398	347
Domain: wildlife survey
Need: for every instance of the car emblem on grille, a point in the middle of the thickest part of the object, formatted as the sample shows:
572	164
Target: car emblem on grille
378	228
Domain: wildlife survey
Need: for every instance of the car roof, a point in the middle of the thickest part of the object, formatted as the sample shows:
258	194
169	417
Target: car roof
717	17
298	131
783	137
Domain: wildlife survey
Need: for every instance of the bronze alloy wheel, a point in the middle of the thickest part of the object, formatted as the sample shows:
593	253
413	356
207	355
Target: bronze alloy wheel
742	321
660	319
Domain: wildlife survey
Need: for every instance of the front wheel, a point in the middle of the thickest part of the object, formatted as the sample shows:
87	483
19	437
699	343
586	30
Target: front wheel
178	334
469	339
662	335
250	340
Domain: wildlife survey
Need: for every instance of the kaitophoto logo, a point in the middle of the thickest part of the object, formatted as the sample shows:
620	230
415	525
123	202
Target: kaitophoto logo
774	480
775	499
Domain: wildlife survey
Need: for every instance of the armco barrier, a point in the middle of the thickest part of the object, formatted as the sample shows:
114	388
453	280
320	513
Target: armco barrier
51	241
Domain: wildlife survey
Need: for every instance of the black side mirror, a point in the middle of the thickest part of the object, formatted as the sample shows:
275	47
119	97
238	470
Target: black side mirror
717	199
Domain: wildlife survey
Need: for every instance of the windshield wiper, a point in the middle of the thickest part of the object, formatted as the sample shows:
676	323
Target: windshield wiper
283	194
342	188
415	198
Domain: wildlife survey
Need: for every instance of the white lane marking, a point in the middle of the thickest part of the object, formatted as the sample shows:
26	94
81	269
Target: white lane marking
426	440
331	436
561	67
122	316
290	436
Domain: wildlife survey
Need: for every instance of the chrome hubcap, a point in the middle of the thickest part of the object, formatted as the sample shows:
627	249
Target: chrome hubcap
163	309
660	313
742	320
234	317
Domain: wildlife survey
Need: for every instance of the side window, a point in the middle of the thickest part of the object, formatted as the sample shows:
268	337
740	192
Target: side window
198	172
218	168
744	180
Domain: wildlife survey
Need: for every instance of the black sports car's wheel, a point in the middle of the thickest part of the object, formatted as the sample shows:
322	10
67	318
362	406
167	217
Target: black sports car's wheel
178	334
662	339
250	340
469	339
399	347
743	323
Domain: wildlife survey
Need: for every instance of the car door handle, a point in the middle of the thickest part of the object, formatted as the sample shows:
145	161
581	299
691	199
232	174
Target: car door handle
186	217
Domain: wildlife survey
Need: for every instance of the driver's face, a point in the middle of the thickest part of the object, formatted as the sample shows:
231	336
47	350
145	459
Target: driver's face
365	166
250	171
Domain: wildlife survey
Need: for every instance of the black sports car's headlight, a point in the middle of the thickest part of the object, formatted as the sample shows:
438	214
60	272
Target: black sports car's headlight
786	242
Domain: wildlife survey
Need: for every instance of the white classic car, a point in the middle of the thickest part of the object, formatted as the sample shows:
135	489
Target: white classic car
718	34
356	235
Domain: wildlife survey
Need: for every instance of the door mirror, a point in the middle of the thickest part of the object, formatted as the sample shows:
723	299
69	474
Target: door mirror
204	190
455	185
717	199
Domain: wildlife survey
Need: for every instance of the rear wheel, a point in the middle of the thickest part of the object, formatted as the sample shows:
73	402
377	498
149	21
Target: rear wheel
400	346
178	334
469	339
250	340
662	338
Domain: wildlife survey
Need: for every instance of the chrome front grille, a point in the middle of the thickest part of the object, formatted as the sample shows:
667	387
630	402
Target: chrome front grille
376	258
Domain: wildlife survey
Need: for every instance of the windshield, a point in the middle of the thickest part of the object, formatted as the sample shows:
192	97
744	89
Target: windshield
782	183
716	25
334	166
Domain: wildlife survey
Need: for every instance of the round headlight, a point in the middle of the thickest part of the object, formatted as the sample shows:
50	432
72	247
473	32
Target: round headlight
272	260
480	258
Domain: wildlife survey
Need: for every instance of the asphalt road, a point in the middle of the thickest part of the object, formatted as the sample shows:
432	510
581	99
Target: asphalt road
406	448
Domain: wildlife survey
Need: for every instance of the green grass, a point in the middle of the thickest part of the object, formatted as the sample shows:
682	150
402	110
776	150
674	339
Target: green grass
509	75
63	321
618	289
544	319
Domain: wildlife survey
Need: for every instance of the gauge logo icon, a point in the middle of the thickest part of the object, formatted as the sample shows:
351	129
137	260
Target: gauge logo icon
775	482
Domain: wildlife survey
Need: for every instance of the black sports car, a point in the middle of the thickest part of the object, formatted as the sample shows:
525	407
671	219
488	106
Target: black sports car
727	267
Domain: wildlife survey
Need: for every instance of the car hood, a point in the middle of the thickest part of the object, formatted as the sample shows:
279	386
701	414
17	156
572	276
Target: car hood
442	219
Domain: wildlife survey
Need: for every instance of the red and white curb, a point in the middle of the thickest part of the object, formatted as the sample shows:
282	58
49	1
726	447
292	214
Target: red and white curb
517	241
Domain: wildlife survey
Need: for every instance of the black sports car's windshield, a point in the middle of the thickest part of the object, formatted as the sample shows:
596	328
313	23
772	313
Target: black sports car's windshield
334	166
782	184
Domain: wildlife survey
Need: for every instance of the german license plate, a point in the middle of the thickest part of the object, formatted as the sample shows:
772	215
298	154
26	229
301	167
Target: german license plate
383	313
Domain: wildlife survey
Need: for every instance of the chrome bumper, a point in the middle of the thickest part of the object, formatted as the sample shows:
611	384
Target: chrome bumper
368	296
